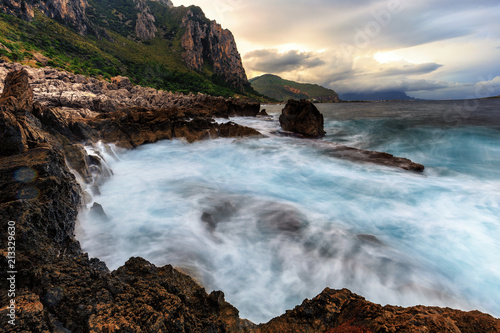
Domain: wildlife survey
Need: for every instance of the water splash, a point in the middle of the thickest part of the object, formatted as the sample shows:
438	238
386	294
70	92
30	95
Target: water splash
273	221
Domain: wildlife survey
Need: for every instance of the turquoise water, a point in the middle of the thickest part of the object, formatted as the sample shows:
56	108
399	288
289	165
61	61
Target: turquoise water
272	221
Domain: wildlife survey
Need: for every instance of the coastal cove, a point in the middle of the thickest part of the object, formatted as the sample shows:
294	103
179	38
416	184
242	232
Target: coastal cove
278	216
56	160
179	166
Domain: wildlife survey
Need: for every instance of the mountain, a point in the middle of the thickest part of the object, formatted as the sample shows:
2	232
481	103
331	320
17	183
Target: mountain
376	96
151	41
275	87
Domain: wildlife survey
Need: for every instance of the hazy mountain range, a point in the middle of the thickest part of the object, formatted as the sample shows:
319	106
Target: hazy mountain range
281	90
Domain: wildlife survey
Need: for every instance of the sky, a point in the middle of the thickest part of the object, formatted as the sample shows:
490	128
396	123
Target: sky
431	49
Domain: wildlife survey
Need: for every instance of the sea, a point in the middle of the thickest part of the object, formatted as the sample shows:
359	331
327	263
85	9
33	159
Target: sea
274	220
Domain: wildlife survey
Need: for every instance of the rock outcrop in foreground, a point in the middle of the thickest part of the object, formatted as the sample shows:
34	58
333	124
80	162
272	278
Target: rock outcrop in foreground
59	289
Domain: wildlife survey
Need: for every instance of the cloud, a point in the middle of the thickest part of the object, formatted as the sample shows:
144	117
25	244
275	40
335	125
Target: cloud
442	48
273	61
411	69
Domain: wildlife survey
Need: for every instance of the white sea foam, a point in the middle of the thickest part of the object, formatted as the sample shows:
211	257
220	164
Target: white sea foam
282	221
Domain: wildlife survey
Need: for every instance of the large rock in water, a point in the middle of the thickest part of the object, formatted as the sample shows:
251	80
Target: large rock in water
302	117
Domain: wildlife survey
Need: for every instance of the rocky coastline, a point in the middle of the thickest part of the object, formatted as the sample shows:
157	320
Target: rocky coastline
45	117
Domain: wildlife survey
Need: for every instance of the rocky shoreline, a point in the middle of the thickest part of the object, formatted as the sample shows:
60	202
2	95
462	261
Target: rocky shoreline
59	289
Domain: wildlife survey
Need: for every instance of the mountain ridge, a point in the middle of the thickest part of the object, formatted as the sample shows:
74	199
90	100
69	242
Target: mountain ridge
280	89
392	95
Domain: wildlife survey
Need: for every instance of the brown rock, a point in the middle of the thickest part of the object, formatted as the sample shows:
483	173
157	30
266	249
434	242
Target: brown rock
19	128
122	82
136	126
12	137
72	13
41	58
76	157
303	118
368	156
145	27
231	130
17	92
343	311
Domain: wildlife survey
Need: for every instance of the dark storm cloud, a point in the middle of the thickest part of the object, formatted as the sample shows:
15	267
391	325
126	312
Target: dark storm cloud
272	61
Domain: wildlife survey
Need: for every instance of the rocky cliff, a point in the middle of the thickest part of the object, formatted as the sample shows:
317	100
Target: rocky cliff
206	47
69	12
207	43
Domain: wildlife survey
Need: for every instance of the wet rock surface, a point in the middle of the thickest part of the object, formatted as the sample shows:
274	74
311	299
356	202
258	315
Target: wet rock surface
368	156
59	289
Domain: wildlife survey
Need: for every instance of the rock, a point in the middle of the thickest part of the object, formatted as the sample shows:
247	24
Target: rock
97	212
41	58
370	239
17	92
302	117
136	126
145	27
281	218
221	212
231	130
209	220
71	13
262	113
76	158
81	97
342	311
243	108
368	156
19	128
122	82
12	136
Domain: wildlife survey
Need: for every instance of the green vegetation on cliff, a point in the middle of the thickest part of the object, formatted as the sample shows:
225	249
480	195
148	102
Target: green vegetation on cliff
282	90
112	47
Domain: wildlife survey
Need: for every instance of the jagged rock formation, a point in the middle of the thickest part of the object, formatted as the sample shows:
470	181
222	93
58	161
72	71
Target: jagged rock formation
85	96
206	41
302	117
145	25
336	311
69	12
59	289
